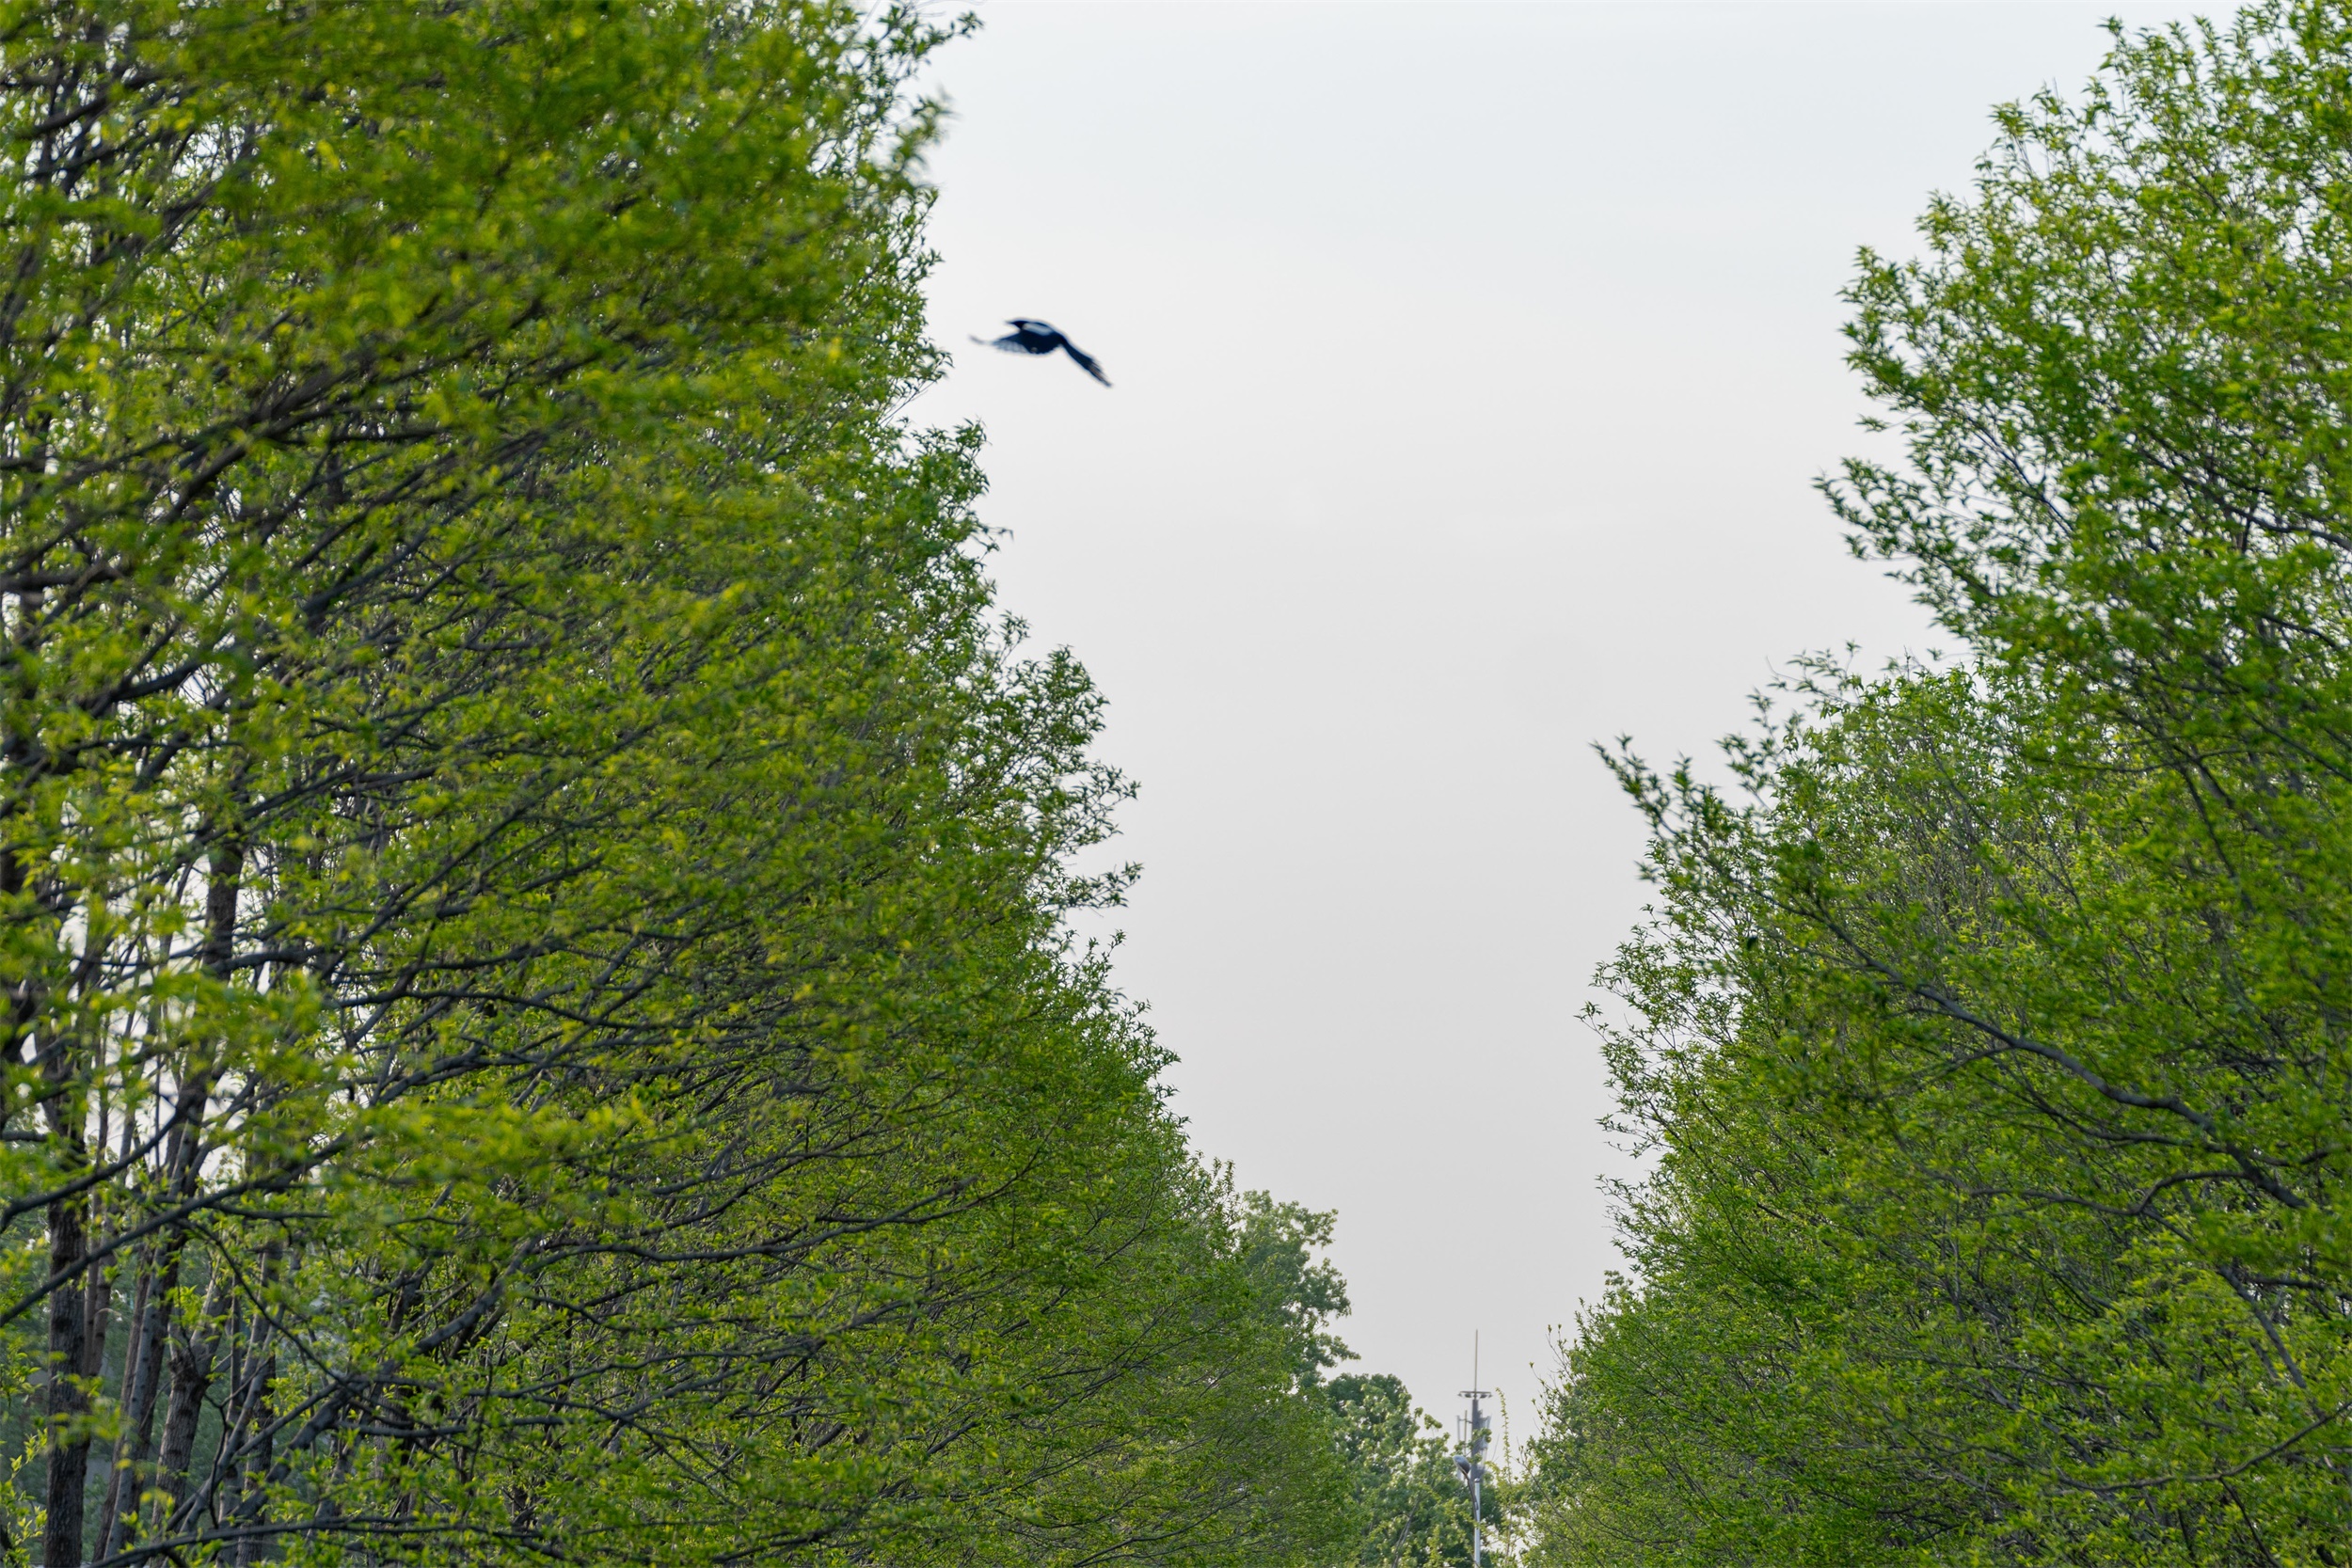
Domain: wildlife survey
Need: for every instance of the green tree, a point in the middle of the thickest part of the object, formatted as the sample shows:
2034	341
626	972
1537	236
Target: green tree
1279	1244
1405	1503
532	876
1411	1508
1988	1040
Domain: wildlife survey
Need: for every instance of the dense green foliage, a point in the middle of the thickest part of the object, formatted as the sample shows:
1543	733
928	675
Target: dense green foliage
1410	1506
1404	1504
1992	1039
531	877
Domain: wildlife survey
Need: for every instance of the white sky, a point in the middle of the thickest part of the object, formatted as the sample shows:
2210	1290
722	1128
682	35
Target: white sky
1472	364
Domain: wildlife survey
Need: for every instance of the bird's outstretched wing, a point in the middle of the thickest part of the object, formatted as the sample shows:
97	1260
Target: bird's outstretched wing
1085	361
1010	342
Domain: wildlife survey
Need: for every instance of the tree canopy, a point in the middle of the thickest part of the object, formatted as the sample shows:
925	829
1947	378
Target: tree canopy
540	1020
1989	1041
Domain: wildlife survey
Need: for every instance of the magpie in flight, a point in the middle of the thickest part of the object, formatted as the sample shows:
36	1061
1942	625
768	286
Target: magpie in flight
1035	336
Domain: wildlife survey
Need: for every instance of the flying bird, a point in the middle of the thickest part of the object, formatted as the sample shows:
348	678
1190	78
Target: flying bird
1035	336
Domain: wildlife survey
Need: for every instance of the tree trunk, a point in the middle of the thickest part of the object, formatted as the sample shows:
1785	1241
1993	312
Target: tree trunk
254	1512
191	1376
69	1338
194	1354
142	1358
244	1502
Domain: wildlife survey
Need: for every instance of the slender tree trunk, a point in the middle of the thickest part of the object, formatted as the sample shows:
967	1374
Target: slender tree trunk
217	1491
246	1448
70	1312
191	1377
254	1513
142	1358
69	1338
23	1000
97	1323
98	1303
194	1354
244	1360
224	883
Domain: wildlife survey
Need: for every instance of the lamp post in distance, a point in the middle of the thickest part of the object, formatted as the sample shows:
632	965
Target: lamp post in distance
1469	1460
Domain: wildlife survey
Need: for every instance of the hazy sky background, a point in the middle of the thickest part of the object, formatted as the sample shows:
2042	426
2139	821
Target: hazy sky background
1473	363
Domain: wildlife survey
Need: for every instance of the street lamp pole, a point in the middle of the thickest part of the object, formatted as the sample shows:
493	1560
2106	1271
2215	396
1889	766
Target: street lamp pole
1471	1461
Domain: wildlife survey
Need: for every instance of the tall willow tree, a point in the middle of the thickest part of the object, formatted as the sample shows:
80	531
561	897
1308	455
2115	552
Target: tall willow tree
530	875
1993	1046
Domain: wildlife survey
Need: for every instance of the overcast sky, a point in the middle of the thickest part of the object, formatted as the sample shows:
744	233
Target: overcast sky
1473	363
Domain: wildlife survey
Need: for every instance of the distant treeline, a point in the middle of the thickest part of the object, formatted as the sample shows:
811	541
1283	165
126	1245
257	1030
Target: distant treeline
1992	1038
